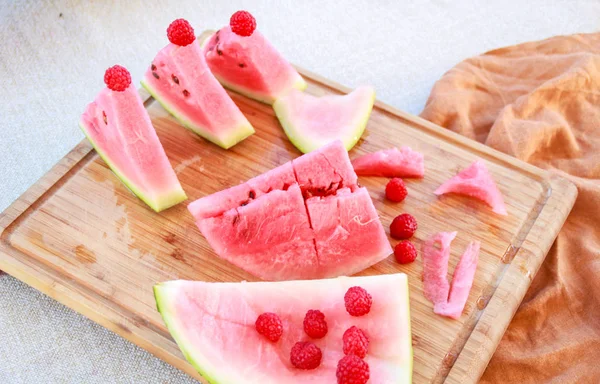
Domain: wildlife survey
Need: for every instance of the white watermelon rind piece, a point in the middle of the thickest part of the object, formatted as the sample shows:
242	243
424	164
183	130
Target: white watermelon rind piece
299	84
349	138
237	135
166	291
168	200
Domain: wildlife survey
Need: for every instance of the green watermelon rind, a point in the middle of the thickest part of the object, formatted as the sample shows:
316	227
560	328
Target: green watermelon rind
300	84
304	144
163	202
240	133
160	295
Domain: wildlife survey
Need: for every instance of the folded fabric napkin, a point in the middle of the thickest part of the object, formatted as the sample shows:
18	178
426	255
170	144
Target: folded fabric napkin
540	102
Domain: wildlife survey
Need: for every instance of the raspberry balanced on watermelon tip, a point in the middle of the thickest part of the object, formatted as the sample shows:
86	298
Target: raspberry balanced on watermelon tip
244	61
181	81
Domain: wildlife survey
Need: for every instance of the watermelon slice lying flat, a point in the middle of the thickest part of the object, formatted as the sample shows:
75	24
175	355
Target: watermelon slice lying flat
476	181
250	65
306	219
180	80
448	300
311	122
214	325
390	163
119	128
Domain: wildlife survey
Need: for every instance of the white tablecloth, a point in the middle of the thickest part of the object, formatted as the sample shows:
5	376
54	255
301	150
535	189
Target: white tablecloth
52	58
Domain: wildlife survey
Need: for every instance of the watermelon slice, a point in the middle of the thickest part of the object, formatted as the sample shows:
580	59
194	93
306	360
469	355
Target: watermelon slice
311	122
213	324
476	181
436	253
306	219
250	65
462	281
390	163
118	126
180	80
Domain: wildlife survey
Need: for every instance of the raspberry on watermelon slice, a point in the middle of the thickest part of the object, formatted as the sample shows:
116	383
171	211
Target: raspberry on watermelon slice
306	219
118	126
214	325
250	65
476	181
180	80
390	163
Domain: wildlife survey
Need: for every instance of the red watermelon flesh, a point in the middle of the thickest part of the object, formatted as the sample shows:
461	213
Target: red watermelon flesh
119	128
390	163
181	81
436	253
213	324
462	280
476	181
265	237
339	208
339	222
250	65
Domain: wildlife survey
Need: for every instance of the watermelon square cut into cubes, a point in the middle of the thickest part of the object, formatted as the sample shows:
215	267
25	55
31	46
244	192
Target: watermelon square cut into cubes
306	219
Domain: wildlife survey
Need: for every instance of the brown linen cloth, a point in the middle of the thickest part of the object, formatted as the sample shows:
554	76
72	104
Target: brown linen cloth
540	102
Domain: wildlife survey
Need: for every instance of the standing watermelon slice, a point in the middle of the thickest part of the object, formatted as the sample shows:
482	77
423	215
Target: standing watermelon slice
180	80
214	326
119	128
245	62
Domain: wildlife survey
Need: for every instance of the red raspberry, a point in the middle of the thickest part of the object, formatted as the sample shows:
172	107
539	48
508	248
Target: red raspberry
269	325
405	252
181	33
305	355
117	78
358	301
352	370
356	342
395	190
403	226
315	325
242	23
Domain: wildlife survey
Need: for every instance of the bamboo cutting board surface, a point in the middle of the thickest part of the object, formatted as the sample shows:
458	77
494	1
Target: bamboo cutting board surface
81	237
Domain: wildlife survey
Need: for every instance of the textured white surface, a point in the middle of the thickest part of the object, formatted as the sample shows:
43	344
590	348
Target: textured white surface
52	59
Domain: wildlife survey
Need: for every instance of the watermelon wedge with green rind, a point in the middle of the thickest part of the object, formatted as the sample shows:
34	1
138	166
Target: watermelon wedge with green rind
306	219
180	80
213	324
119	128
311	122
250	65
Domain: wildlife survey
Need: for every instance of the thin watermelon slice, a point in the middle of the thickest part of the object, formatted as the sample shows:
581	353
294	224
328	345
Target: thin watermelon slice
213	324
476	181
390	163
306	219
250	65
119	128
436	253
310	122
180	80
462	280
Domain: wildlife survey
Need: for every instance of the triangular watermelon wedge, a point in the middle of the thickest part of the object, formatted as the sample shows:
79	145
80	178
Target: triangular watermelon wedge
213	324
250	65
180	80
310	122
476	181
118	126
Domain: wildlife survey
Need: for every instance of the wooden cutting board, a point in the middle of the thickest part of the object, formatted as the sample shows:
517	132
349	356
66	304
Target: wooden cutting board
81	237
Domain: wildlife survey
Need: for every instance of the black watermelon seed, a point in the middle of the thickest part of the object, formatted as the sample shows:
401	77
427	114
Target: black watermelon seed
186	93
242	65
175	79
153	67
155	75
